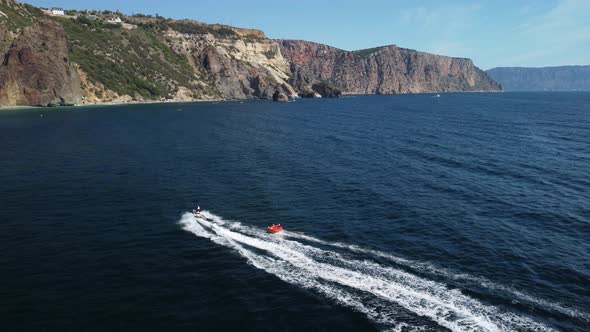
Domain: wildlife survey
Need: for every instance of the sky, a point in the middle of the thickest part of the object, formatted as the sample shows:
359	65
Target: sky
493	33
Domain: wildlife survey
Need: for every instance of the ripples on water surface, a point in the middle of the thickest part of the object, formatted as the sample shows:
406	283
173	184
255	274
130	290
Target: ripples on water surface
404	213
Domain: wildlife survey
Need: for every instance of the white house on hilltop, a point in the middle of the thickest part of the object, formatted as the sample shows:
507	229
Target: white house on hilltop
115	19
57	11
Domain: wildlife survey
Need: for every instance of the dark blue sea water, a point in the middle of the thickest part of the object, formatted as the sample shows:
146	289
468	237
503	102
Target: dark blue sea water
468	212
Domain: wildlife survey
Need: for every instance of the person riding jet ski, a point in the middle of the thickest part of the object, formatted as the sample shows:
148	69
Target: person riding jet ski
197	212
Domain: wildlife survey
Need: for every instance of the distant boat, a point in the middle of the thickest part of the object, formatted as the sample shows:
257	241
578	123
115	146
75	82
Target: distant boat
436	96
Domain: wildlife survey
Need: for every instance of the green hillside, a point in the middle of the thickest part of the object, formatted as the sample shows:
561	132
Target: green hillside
127	61
17	16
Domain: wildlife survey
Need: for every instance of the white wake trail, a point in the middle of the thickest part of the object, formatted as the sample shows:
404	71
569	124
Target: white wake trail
450	274
422	267
286	273
380	292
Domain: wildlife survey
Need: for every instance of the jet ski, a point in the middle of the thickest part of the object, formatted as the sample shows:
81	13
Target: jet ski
198	215
275	229
197	212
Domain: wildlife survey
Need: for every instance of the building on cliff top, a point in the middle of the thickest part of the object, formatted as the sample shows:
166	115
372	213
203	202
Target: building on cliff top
57	11
115	19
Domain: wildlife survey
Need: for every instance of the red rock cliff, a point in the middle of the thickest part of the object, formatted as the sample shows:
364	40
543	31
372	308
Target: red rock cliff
386	70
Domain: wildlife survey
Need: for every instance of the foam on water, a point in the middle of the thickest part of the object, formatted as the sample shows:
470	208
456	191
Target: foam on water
428	268
385	294
422	267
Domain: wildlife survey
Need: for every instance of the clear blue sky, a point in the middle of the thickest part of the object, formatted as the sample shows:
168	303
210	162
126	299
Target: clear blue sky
491	32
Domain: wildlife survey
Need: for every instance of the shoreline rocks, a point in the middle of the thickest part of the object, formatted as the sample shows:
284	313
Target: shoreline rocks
279	96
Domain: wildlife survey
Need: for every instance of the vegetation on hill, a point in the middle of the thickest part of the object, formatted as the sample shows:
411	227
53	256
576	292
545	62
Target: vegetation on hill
17	16
192	28
132	62
368	51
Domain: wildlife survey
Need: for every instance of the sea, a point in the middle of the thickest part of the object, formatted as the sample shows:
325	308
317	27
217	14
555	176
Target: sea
463	212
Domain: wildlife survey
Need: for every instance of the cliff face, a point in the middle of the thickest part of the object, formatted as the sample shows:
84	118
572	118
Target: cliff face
562	78
157	59
235	68
5	39
36	69
85	59
383	70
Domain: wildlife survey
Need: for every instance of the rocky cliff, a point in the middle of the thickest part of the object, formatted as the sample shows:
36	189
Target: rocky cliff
36	69
235	67
157	59
382	70
84	58
561	78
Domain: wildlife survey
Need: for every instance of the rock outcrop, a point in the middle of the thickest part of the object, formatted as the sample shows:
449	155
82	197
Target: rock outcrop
36	69
235	68
383	70
325	90
280	97
6	38
561	78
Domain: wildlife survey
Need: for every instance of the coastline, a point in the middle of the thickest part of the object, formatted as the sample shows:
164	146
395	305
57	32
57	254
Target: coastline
150	102
110	103
14	108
